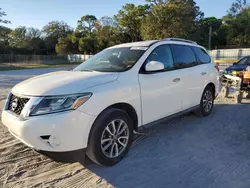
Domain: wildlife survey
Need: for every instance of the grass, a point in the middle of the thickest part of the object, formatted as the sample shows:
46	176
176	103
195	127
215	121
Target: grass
6	67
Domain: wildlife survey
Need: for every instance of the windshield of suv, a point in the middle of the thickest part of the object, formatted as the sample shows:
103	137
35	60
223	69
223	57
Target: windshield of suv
113	60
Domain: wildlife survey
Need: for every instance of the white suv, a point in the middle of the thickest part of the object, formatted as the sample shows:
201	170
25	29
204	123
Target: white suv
100	104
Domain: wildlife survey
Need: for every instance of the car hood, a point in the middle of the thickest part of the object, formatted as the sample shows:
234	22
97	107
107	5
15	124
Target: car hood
62	83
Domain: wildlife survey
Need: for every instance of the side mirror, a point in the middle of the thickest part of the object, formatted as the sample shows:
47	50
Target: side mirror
154	66
234	63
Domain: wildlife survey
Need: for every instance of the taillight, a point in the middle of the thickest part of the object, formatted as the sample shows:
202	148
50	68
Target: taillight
217	68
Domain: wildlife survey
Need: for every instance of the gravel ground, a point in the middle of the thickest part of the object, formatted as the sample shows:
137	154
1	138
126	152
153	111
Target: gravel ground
185	152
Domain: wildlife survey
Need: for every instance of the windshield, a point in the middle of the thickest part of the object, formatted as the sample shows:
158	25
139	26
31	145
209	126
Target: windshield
112	60
242	61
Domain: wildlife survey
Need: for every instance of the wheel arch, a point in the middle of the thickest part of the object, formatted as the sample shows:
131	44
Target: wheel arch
129	109
212	85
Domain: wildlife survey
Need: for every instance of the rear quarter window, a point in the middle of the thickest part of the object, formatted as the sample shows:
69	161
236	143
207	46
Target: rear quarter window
201	55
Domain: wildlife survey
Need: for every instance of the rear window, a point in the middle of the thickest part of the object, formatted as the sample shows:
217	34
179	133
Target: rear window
202	55
184	56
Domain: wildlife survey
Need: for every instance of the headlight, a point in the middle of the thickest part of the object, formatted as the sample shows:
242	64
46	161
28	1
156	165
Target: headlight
55	104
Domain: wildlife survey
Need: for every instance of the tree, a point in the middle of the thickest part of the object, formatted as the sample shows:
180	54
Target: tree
4	39
172	18
18	38
88	45
108	33
2	14
52	32
33	33
36	43
237	22
107	21
219	35
130	18
239	28
86	24
157	19
156	2
66	46
26	40
237	7
85	35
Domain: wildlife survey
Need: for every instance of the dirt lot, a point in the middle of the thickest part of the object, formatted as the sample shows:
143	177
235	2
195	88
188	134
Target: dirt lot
185	152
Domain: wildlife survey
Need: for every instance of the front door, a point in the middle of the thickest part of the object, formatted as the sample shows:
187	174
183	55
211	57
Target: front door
161	92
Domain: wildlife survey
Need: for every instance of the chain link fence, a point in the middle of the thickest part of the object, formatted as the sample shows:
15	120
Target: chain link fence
42	59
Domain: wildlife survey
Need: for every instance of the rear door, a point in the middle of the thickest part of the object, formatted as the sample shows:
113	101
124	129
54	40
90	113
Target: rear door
206	68
192	72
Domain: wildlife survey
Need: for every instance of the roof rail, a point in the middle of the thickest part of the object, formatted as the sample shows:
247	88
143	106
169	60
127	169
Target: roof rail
180	40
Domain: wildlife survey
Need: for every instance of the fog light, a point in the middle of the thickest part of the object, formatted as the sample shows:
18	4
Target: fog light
54	141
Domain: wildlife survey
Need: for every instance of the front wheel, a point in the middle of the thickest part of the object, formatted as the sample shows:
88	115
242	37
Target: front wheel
110	138
206	103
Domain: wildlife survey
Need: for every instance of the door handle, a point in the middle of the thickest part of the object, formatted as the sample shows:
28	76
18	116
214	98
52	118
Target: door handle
176	80
203	73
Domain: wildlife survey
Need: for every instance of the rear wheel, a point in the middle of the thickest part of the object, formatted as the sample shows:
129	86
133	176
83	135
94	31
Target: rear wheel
111	137
206	103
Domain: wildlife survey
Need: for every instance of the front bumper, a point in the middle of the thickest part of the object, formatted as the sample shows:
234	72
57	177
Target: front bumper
60	132
66	157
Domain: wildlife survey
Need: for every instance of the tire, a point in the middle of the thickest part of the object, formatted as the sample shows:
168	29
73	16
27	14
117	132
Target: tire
99	133
224	91
203	111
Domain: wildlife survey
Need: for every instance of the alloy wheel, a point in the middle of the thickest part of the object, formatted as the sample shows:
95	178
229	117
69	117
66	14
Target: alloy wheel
207	101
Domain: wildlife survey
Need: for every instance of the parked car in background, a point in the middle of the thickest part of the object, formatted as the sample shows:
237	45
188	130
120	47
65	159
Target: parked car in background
241	65
99	105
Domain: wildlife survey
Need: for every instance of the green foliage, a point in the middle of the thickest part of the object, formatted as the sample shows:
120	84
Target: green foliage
18	37
88	45
4	39
156	19
86	24
108	33
130	18
66	46
52	32
26	40
171	19
237	7
219	31
3	14
239	28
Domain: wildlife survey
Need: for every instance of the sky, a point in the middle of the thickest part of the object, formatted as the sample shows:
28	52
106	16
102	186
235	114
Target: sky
37	13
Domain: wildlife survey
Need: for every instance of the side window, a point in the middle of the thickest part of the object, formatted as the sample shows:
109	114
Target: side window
202	55
184	56
162	54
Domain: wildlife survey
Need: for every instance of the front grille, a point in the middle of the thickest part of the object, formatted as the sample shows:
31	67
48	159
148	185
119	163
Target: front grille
16	104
